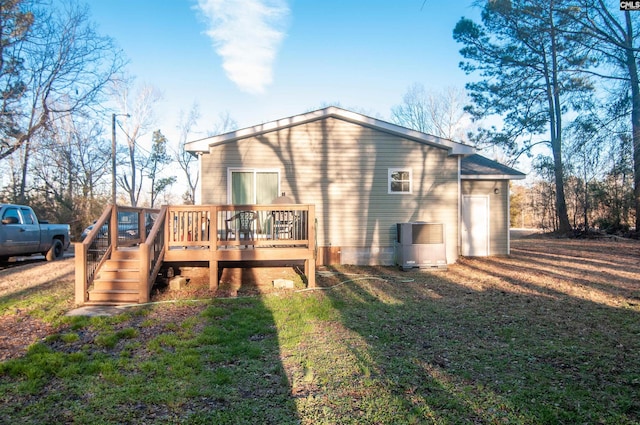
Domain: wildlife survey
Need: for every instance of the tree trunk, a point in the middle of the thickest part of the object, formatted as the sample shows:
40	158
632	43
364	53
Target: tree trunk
564	225
585	206
555	117
132	193
25	167
635	115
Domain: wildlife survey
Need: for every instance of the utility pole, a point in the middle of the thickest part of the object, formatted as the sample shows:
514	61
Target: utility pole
113	155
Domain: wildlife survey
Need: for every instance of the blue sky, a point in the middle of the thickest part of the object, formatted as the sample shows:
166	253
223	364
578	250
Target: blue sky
261	60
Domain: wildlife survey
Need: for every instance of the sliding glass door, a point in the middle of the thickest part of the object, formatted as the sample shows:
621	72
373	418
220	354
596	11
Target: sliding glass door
253	186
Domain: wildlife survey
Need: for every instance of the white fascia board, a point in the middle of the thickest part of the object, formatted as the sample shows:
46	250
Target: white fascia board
203	145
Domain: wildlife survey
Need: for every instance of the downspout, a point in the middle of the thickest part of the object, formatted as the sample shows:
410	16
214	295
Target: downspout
200	178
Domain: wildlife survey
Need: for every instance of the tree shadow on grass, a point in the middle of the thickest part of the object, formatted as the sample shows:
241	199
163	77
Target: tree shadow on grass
240	349
211	361
490	348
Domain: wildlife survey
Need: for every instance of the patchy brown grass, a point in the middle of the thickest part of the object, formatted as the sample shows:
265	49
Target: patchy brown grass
550	334
33	293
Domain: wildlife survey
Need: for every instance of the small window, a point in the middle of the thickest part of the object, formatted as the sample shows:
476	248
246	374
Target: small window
399	180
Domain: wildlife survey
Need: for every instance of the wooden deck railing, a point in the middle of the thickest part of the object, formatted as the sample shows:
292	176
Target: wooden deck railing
116	227
91	253
151	255
239	225
217	233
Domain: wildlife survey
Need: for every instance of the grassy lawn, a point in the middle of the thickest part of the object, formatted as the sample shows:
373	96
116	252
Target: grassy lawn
549	335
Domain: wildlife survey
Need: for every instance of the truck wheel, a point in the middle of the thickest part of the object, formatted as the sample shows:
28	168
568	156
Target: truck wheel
56	250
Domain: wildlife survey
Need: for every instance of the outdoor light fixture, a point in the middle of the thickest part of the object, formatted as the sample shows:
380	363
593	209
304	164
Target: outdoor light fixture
113	154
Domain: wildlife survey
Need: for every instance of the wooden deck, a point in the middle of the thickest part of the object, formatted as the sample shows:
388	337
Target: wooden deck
185	234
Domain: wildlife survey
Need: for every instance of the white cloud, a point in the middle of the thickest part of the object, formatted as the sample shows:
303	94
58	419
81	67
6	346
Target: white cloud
247	35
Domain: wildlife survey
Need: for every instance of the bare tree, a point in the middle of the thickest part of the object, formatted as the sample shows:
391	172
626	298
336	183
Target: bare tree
71	166
185	159
64	68
440	113
139	103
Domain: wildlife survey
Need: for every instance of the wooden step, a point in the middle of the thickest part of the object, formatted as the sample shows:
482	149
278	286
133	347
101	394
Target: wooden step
125	254
109	274
107	303
113	296
116	284
118	279
121	263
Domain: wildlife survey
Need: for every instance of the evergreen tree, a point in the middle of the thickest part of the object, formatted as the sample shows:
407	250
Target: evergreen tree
528	67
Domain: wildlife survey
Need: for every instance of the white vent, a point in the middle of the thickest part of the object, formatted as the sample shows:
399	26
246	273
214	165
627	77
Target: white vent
421	245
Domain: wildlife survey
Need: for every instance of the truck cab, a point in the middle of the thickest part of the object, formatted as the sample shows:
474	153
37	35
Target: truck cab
21	230
21	233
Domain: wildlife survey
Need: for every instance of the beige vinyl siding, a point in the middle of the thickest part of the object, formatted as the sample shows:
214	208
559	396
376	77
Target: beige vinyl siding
342	168
498	210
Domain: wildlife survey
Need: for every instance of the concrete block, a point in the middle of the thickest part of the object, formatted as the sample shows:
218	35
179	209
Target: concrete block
177	283
283	284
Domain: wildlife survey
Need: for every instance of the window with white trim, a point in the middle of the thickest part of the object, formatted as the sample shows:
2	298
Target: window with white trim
399	180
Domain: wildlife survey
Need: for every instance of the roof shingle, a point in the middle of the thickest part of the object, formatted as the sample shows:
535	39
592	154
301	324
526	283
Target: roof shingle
479	167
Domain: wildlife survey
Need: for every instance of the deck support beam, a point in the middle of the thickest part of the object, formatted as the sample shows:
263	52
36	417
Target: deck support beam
310	272
213	275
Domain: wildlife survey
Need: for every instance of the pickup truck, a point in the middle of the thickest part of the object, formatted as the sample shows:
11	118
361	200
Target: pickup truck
21	233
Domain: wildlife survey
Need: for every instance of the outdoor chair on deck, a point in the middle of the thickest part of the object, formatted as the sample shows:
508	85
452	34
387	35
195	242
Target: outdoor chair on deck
242	224
283	224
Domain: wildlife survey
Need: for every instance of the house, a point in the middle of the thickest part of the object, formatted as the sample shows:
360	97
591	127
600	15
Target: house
364	176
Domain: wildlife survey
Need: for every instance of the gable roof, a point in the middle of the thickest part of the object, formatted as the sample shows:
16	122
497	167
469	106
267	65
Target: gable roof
477	167
454	148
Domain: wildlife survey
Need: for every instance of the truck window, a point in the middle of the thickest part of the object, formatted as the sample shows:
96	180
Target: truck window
27	216
11	212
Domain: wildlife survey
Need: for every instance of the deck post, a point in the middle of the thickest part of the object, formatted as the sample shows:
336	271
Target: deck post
310	263
213	248
143	284
113	225
310	272
81	273
213	273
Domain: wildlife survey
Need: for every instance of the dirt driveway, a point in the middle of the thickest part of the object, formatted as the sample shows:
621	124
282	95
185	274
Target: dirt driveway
18	328
33	273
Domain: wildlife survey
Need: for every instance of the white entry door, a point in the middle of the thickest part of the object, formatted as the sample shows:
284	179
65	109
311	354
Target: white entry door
475	226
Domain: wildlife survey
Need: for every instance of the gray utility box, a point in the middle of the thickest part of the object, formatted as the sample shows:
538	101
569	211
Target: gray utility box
421	244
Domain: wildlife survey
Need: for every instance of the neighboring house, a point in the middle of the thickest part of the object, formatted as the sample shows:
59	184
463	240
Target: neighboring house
363	175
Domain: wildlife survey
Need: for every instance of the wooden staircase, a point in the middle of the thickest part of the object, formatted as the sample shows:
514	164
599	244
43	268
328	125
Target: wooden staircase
118	280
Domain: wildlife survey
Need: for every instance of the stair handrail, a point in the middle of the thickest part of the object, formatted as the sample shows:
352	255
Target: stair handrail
91	253
151	254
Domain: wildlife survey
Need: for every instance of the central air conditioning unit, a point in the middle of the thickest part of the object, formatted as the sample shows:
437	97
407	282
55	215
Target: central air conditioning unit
421	244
